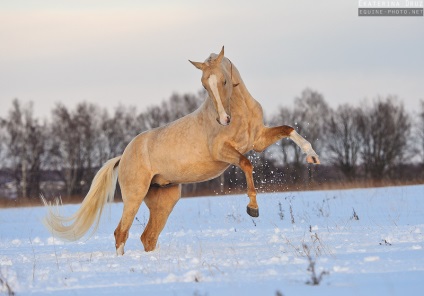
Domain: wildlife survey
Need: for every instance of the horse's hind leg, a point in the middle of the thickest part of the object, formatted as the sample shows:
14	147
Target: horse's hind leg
134	188
160	202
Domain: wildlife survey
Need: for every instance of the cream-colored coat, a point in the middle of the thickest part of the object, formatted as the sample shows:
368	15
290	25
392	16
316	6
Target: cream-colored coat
195	148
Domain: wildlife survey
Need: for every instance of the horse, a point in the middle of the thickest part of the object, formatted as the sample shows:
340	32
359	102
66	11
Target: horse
197	147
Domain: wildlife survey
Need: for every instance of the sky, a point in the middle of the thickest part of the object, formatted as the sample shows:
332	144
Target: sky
135	53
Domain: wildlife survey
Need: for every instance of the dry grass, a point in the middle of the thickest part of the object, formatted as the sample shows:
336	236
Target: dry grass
19	202
4	285
315	279
34	202
25	202
336	185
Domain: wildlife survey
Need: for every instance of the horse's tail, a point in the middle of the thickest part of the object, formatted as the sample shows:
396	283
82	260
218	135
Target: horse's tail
76	226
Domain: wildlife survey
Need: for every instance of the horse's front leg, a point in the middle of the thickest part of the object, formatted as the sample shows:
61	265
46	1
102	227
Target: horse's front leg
230	155
270	135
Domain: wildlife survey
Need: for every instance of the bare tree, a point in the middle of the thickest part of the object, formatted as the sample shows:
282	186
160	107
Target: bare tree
308	118
119	130
176	107
370	139
384	129
281	156
66	154
180	105
311	111
289	156
420	126
25	139
344	140
88	123
153	117
3	146
77	149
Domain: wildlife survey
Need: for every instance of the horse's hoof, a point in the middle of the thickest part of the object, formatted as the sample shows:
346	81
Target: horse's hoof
253	212
120	250
312	159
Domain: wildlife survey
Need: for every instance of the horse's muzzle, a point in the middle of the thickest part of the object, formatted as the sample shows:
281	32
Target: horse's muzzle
226	120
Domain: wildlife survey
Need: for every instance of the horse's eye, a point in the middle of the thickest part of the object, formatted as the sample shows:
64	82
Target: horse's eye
225	82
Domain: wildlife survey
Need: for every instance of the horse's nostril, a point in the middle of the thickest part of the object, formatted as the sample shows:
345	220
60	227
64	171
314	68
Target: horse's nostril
228	119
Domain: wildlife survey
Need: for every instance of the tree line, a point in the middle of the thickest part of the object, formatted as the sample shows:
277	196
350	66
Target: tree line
59	156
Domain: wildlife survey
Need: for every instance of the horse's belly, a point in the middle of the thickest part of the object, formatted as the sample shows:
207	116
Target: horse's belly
189	173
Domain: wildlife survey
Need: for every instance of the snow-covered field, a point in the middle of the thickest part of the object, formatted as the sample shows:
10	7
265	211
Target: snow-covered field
210	246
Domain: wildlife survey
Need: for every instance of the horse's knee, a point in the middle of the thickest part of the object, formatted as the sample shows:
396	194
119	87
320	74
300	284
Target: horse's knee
286	130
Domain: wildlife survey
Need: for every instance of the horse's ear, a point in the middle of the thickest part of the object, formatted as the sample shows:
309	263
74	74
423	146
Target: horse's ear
220	56
198	65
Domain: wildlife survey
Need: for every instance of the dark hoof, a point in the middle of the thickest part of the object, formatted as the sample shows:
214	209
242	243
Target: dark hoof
253	212
312	159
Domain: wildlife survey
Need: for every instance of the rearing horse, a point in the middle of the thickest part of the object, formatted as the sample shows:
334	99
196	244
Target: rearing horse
194	148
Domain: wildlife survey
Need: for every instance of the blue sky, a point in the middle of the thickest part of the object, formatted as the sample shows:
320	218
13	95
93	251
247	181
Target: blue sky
136	52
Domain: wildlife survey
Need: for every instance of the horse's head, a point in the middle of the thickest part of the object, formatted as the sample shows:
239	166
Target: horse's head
217	81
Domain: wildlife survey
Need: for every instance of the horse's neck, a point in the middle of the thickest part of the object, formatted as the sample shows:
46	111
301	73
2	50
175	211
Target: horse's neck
241	96
207	111
242	101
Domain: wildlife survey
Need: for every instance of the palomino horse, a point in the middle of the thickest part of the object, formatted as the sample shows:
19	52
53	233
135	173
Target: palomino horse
194	148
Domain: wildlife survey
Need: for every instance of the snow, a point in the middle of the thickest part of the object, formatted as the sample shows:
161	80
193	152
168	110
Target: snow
210	246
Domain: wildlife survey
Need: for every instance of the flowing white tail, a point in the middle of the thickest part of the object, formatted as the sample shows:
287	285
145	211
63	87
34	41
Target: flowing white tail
102	190
194	148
